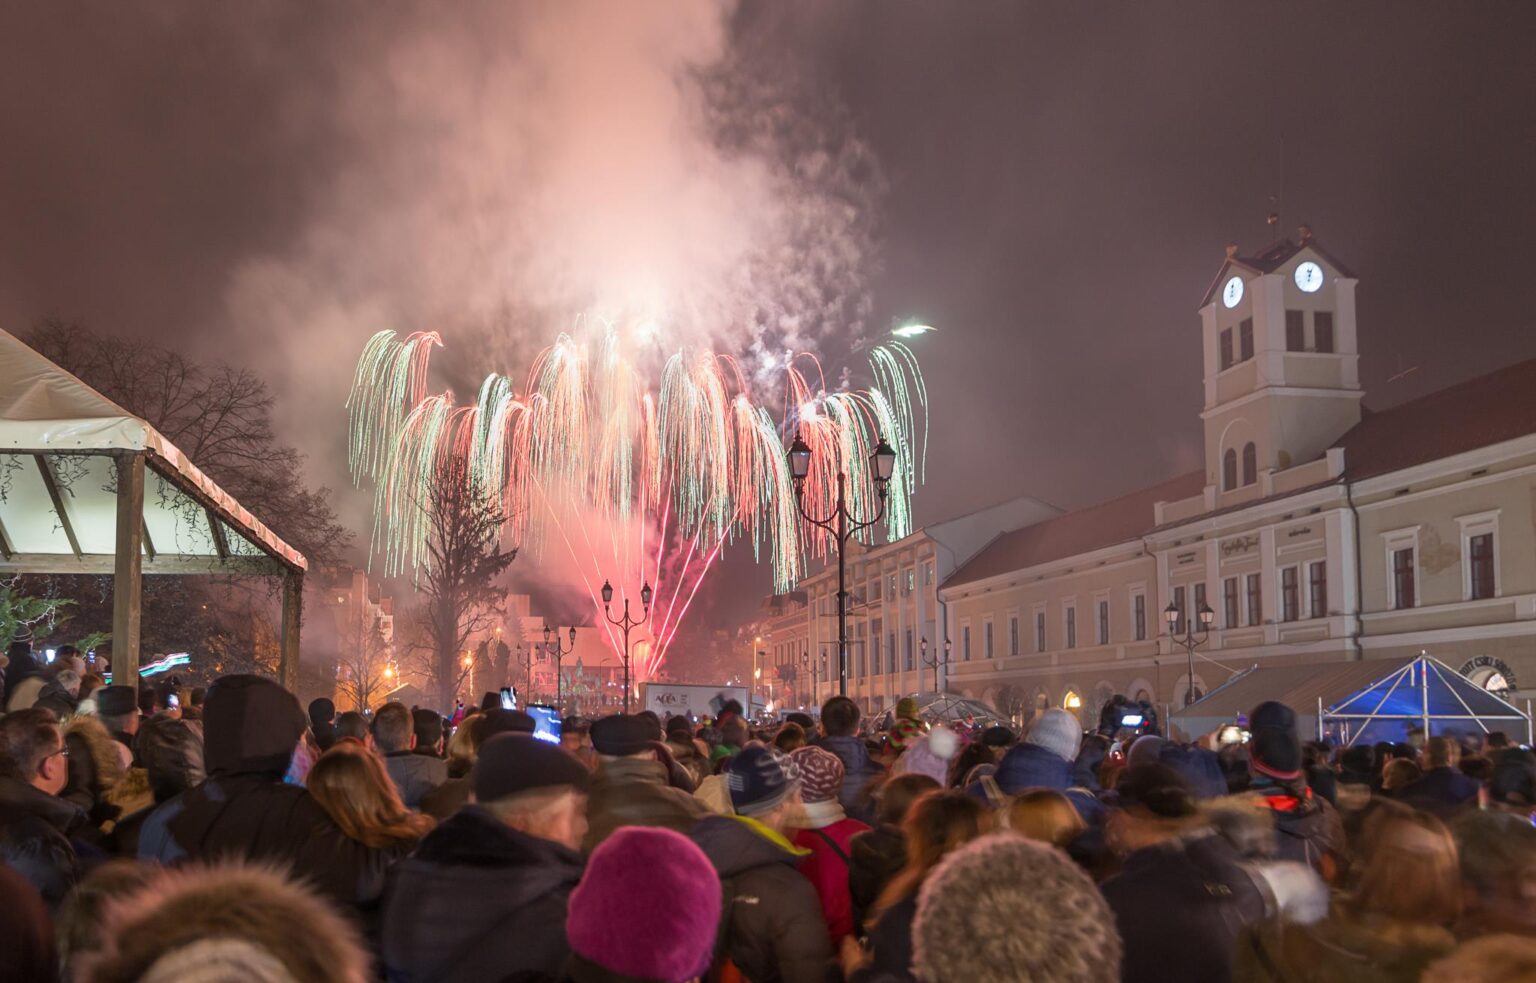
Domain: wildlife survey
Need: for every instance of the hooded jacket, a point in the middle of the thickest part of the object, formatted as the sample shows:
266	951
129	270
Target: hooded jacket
1345	948
35	828
634	792
1307	828
860	773
1181	906
772	926
244	810
479	901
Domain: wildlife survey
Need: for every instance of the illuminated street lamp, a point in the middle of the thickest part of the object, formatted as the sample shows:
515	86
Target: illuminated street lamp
552	644
841	526
937	661
1191	639
626	623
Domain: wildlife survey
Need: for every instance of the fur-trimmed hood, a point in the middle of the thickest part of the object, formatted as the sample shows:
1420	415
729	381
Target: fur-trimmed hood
246	904
100	743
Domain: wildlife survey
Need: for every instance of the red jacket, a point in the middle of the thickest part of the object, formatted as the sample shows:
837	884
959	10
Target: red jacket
827	870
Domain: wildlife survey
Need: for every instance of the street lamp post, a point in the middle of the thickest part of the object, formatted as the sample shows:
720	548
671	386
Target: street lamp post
626	623
525	653
818	668
1191	639
552	644
841	526
935	662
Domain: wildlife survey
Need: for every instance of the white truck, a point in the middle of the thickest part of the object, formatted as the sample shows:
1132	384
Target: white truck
693	699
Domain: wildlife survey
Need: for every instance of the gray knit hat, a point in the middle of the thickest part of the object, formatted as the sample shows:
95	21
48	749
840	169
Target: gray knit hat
1058	732
1004	909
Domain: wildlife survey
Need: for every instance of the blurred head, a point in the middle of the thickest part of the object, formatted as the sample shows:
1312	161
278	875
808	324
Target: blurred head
1497	853
803	720
897	794
734	732
79	919
937	823
428	725
350	784
1007	908
1411	873
32	750
1045	815
533	787
322	712
393	729
69	681
352	725
1157	803
839	717
790	737
1441	752
765	785
90	683
1399	772
172	755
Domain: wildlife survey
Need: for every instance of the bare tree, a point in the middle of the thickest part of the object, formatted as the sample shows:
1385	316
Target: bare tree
363	660
460	583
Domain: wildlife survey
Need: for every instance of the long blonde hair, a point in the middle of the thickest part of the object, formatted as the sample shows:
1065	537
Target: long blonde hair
937	823
1046	815
350	784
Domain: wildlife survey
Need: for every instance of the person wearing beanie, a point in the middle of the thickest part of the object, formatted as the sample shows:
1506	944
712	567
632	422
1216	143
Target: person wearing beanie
1307	828
827	833
1183	895
930	755
244	809
645	910
118	709
322	722
1004	908
484	897
220	924
630	786
1044	759
771	922
906	724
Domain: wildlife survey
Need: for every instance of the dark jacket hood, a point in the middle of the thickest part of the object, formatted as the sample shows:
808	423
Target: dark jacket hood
733	846
250	724
1030	766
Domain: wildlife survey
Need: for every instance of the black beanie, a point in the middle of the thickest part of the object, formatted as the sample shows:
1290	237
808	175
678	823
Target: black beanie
512	763
1274	748
250	724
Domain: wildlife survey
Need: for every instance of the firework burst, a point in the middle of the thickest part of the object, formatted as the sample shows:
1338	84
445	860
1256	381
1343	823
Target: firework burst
650	485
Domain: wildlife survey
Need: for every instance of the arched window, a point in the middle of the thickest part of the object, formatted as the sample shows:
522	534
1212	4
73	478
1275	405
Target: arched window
1229	469
1250	464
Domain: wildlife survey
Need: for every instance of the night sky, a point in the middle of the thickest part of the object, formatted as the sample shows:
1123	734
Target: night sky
1056	184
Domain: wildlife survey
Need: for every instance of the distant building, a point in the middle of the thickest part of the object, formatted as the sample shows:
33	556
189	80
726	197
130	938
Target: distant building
1315	531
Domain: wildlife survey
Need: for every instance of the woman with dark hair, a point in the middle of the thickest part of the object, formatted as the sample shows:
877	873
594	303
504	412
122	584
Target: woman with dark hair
938	823
350	783
877	856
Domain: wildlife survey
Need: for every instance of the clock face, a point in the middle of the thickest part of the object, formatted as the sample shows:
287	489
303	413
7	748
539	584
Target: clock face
1232	293
1309	277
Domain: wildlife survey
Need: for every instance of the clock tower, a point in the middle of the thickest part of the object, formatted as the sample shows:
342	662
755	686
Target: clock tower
1282	367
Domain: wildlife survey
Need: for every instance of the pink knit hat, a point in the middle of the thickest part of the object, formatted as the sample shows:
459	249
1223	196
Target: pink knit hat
821	773
647	907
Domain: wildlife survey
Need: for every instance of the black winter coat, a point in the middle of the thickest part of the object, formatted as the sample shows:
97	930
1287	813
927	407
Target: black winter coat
773	925
34	838
1181	907
890	945
874	859
479	902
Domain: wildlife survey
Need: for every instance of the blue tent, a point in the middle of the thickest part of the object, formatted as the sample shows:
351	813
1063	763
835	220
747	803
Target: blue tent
1355	702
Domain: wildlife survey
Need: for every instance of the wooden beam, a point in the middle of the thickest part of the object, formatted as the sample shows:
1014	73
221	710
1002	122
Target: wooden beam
127	573
293	607
51	482
6	552
149	544
161	565
216	530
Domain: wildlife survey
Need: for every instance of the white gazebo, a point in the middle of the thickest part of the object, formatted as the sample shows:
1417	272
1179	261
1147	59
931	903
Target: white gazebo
87	488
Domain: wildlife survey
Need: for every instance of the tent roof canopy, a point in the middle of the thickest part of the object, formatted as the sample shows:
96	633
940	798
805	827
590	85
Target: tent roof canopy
1354	693
58	494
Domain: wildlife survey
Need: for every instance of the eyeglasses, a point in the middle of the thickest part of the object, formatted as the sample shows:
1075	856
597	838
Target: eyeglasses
62	752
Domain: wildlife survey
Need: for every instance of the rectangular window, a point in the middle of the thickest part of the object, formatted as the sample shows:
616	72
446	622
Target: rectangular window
1013	635
1290	594
1295	331
928	574
1071	627
890	588
890	648
1317	588
1229	602
911	580
908	654
874	653
1480	560
1103	622
1178	605
1200	604
1322	331
1255	599
965	643
875	587
1226	349
1139	616
1403	578
861	662
1245	339
986	639
1040	631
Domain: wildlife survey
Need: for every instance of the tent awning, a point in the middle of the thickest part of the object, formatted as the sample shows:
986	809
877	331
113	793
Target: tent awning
57	485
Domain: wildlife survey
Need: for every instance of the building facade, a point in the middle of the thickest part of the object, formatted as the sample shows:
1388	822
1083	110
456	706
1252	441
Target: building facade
1315	531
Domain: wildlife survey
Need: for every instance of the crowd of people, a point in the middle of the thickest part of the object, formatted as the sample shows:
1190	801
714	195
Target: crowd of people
158	833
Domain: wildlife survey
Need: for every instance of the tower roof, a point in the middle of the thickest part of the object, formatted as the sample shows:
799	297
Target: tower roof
1270	260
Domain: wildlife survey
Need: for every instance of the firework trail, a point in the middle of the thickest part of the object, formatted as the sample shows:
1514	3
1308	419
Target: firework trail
650	485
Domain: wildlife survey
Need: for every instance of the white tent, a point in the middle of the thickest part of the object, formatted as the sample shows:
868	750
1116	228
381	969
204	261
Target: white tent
87	488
